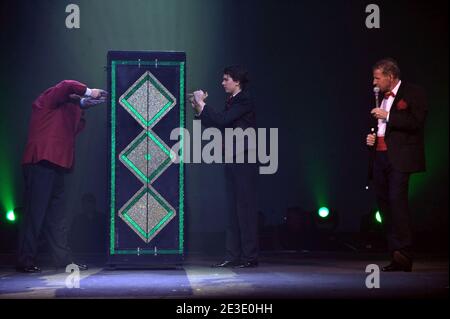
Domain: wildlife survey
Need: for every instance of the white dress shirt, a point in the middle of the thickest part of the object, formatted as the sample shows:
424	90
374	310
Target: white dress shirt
386	105
88	92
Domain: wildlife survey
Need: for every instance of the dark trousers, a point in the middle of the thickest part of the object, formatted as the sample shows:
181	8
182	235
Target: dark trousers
391	188
242	241
43	214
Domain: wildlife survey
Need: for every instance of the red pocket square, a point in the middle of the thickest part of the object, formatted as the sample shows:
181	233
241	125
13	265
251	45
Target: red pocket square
402	105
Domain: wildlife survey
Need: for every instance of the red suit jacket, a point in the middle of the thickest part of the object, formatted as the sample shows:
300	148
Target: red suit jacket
55	122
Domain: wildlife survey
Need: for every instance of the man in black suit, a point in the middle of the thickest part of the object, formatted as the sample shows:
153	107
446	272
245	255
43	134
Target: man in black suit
242	227
398	147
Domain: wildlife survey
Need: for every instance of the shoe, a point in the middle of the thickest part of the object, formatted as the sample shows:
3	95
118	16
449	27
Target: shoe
403	259
391	267
225	264
29	269
395	267
400	262
247	264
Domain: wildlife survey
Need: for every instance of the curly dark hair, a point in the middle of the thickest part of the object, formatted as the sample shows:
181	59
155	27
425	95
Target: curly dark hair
237	73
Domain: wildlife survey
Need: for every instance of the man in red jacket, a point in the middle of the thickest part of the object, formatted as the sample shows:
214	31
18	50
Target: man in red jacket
56	119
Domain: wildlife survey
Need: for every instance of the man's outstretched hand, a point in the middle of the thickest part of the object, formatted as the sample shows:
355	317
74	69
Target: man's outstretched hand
95	93
197	100
98	93
98	96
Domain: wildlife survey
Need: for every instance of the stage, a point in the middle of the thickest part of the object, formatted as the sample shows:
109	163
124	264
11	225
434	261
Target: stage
287	275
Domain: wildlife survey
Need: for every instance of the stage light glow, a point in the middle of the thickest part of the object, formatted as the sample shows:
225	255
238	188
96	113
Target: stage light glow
323	212
378	217
11	216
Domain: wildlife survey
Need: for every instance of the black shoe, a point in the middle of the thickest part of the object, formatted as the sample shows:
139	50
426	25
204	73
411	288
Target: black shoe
391	267
29	269
402	260
395	267
247	264
225	264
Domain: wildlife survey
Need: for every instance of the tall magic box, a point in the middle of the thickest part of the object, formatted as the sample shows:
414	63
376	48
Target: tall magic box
146	177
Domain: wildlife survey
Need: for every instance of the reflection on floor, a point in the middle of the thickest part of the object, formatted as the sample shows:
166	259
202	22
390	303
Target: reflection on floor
295	275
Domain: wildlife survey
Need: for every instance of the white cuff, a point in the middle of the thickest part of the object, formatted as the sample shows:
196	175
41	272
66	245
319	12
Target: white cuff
387	117
88	92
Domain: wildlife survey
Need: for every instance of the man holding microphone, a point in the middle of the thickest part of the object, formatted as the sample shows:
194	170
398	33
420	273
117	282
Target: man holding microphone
399	151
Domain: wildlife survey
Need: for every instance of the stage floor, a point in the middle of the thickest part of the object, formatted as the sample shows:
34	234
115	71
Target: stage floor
293	275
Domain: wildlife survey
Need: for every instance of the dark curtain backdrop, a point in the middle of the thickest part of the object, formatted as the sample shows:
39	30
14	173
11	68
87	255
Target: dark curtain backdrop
310	66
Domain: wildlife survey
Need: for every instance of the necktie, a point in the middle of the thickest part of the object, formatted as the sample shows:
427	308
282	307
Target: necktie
388	94
228	102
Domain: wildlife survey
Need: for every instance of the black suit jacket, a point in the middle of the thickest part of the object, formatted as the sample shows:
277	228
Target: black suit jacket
404	135
239	113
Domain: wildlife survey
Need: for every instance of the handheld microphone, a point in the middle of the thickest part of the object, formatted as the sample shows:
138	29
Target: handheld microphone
374	123
376	91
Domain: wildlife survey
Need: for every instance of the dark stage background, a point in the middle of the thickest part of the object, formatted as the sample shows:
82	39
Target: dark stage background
310	65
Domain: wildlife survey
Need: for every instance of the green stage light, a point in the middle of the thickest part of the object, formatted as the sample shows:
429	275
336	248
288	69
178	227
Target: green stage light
378	217
11	216
326	220
323	212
